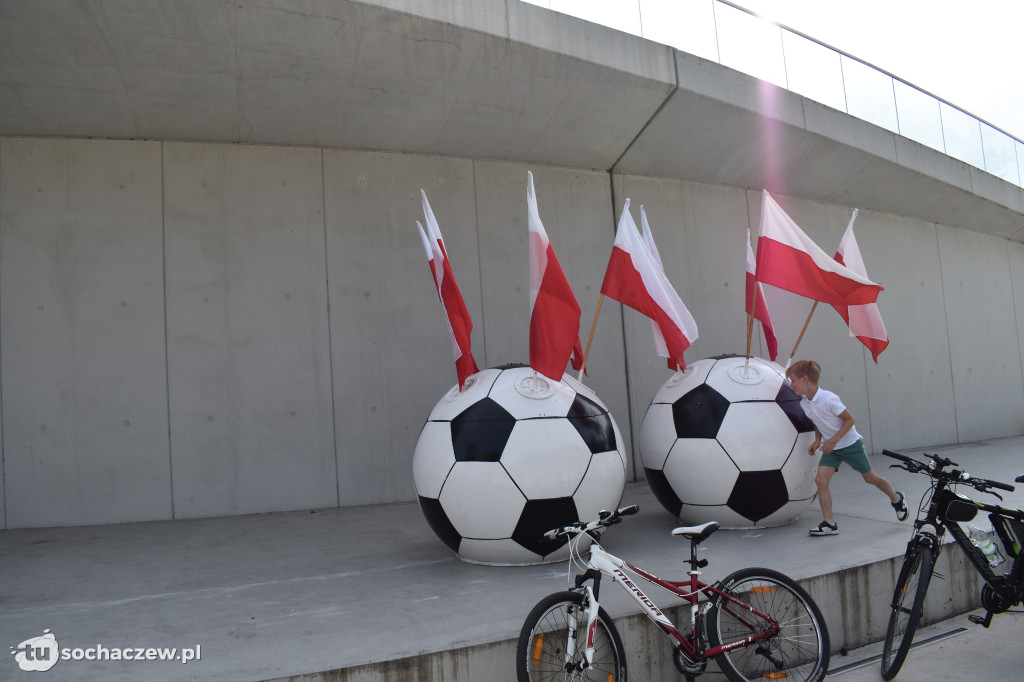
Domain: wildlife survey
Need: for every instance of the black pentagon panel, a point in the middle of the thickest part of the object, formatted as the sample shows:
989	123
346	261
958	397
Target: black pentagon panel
758	494
479	434
790	404
663	491
439	523
593	423
699	413
540	516
582	406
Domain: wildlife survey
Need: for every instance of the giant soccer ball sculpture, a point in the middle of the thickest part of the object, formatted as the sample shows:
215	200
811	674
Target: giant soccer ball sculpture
727	441
512	456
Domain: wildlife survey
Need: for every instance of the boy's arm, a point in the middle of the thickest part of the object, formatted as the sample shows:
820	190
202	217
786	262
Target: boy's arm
817	441
830	443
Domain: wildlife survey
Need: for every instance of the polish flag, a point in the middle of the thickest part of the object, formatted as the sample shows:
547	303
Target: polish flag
634	278
659	340
788	259
554	311
460	326
757	307
865	321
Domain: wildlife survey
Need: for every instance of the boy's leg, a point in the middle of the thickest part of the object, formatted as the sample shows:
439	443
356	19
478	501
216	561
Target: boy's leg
882	484
822	480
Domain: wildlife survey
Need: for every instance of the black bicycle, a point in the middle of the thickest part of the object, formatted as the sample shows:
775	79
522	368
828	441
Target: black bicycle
941	508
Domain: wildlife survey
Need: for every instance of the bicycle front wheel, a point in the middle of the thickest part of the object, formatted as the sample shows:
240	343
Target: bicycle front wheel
800	649
553	643
907	604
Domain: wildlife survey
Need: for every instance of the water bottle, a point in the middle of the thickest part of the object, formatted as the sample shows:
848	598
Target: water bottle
983	541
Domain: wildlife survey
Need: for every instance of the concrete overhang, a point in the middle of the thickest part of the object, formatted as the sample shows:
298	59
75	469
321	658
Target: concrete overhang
490	79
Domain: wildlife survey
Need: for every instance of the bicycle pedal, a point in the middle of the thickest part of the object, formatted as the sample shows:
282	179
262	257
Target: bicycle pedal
984	621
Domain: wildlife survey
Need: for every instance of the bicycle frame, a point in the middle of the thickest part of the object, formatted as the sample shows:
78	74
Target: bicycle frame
1008	586
602	563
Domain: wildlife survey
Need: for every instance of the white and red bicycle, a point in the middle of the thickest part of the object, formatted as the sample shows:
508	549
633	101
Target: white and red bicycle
756	623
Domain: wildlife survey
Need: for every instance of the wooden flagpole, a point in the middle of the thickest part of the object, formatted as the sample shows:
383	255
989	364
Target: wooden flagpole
750	328
593	328
800	338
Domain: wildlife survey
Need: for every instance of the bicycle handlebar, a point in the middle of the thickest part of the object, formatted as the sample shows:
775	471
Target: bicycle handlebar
935	470
604	519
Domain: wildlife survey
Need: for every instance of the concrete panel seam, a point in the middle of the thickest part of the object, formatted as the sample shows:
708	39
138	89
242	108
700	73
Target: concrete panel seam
480	257
167	360
1013	303
949	347
664	102
330	331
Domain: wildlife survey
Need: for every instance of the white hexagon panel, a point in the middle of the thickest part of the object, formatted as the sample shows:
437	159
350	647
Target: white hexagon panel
727	441
511	457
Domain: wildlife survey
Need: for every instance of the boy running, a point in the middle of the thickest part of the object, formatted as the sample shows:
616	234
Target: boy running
839	441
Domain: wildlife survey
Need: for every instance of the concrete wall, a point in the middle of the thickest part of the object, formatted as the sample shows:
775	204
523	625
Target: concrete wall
196	329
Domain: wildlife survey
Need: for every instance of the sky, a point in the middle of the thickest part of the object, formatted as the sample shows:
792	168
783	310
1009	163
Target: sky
969	53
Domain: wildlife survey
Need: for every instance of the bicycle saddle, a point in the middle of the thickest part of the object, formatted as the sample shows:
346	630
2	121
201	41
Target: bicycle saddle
697	534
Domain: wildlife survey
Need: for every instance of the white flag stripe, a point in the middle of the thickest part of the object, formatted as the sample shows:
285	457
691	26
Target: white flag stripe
778	226
751	262
426	244
437	262
865	320
628	239
538	256
660	347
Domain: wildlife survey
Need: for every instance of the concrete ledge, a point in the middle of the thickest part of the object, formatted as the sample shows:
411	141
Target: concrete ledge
854	602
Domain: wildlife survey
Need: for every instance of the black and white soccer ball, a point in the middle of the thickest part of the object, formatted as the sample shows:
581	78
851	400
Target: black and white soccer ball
512	456
727	441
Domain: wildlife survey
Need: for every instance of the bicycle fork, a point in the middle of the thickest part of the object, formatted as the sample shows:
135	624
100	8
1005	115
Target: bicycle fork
574	624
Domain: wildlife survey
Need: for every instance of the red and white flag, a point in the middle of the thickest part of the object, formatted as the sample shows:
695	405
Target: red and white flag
460	326
788	259
554	311
865	321
660	347
635	279
757	307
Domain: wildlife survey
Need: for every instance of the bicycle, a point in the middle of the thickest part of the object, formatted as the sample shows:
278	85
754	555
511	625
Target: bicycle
755	623
943	508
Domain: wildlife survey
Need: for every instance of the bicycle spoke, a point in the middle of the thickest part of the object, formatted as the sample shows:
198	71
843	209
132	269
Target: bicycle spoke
798	649
553	644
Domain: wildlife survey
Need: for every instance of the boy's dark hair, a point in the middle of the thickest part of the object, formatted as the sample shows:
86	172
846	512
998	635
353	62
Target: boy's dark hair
808	369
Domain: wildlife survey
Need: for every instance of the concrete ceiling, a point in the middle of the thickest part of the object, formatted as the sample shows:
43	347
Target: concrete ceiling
494	79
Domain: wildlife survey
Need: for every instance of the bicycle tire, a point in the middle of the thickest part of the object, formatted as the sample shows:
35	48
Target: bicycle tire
801	649
911	587
541	650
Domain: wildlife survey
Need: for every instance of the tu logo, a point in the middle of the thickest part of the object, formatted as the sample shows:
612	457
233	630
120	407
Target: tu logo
37	654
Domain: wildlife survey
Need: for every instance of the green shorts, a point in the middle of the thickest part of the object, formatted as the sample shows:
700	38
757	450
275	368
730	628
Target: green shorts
854	455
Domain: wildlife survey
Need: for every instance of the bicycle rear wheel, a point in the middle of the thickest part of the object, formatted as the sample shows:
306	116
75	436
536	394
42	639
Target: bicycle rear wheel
907	603
542	652
800	650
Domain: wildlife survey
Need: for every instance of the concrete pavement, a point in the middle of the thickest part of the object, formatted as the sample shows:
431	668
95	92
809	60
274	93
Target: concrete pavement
953	649
370	594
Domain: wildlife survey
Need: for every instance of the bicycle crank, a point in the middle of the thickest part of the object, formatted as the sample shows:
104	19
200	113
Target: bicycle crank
993	600
686	666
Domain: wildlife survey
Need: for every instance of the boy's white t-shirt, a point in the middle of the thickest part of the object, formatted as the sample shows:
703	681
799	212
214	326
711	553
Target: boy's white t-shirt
824	411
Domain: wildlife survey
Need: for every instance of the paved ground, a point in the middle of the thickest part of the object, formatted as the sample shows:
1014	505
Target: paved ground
272	595
954	649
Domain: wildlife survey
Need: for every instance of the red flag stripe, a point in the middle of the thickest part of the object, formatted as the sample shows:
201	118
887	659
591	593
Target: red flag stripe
460	324
623	282
794	270
554	311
